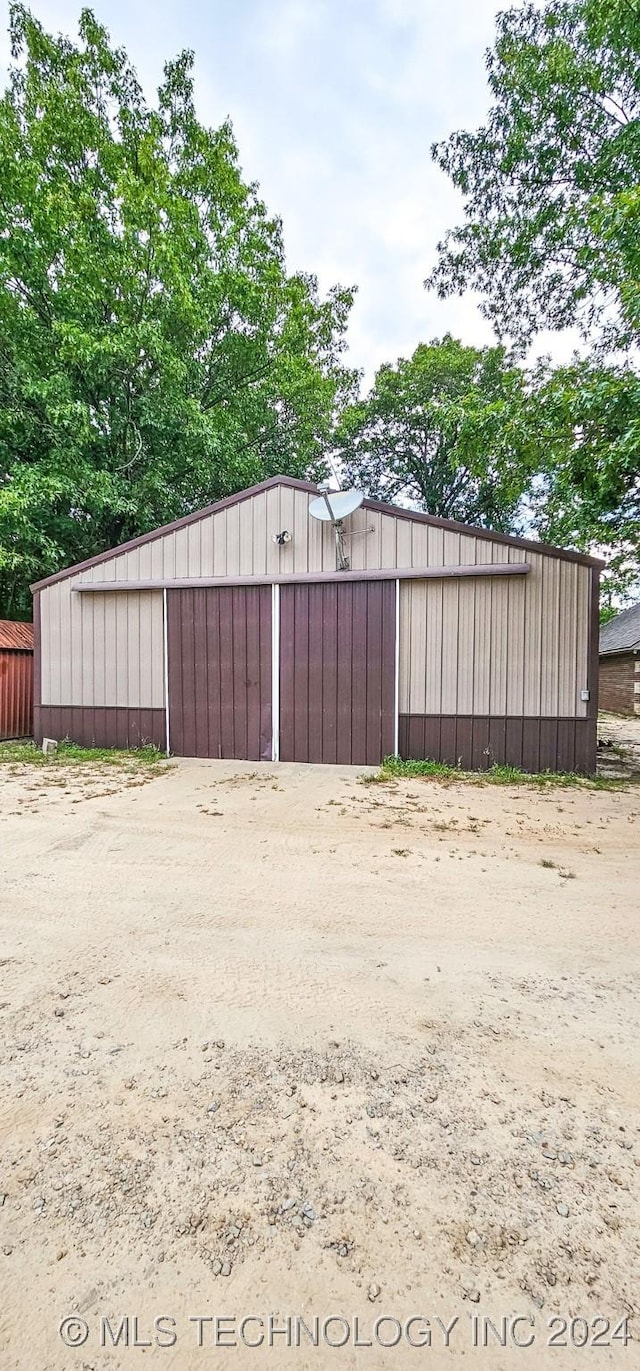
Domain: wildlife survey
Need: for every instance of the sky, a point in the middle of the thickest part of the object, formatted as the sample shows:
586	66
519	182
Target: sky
335	105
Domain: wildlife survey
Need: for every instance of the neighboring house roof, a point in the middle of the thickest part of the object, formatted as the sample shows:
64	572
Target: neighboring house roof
416	515
14	635
621	634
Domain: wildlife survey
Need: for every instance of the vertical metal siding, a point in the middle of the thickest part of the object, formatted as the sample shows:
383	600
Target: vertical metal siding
219	649
337	672
496	647
16	693
102	650
506	647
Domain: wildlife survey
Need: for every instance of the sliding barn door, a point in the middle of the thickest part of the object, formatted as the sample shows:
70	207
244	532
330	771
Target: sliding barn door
337	671
219	650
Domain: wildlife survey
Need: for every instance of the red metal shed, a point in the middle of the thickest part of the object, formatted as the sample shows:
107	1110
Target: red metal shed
16	679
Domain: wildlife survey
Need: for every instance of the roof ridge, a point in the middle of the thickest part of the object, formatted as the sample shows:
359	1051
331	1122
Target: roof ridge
380	506
171	527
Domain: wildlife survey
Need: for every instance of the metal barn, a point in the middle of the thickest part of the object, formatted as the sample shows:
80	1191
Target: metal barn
16	679
237	632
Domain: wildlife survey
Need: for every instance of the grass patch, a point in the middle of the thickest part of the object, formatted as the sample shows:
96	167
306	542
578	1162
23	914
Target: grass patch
144	758
397	767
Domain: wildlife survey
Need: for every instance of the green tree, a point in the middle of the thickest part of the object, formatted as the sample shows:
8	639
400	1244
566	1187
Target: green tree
586	492
154	352
551	182
448	430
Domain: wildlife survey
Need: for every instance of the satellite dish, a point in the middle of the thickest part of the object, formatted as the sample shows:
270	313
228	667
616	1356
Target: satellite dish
334	505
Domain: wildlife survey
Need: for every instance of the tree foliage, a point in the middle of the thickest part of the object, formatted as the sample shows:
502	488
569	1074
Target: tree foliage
448	430
154	352
551	182
551	239
586	492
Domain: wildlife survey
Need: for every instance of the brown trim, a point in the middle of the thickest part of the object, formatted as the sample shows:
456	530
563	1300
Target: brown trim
439	573
489	534
377	506
100	727
175	524
37	649
593	648
476	742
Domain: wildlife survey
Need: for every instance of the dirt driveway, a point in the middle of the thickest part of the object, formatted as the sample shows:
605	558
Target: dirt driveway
280	1043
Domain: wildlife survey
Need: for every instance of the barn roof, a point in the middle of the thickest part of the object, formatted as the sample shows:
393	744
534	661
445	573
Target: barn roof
621	634
395	510
13	635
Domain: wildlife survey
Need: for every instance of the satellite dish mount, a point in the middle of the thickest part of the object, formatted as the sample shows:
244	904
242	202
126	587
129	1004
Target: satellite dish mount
334	506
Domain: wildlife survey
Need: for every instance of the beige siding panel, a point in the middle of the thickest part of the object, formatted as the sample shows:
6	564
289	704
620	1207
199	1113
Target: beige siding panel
94	663
516	594
406	695
145	561
301	531
127	566
420	647
568	662
550	655
76	647
122	652
498	648
419	544
388	540
102	650
259	535
582	637
359	548
371	540
218	528
107	688
475	647
133	651
403	543
232	520
466	631
181	542
533	635
59	649
245	537
482	635
194	549
431	668
64	630
436	547
418	661
286	553
273	525
206	547
449	645
314	543
467	546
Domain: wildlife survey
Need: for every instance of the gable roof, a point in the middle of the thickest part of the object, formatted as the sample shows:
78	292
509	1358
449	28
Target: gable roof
380	506
622	633
16	636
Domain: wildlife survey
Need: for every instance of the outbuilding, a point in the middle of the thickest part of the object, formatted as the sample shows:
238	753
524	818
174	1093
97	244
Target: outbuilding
16	679
620	663
251	630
